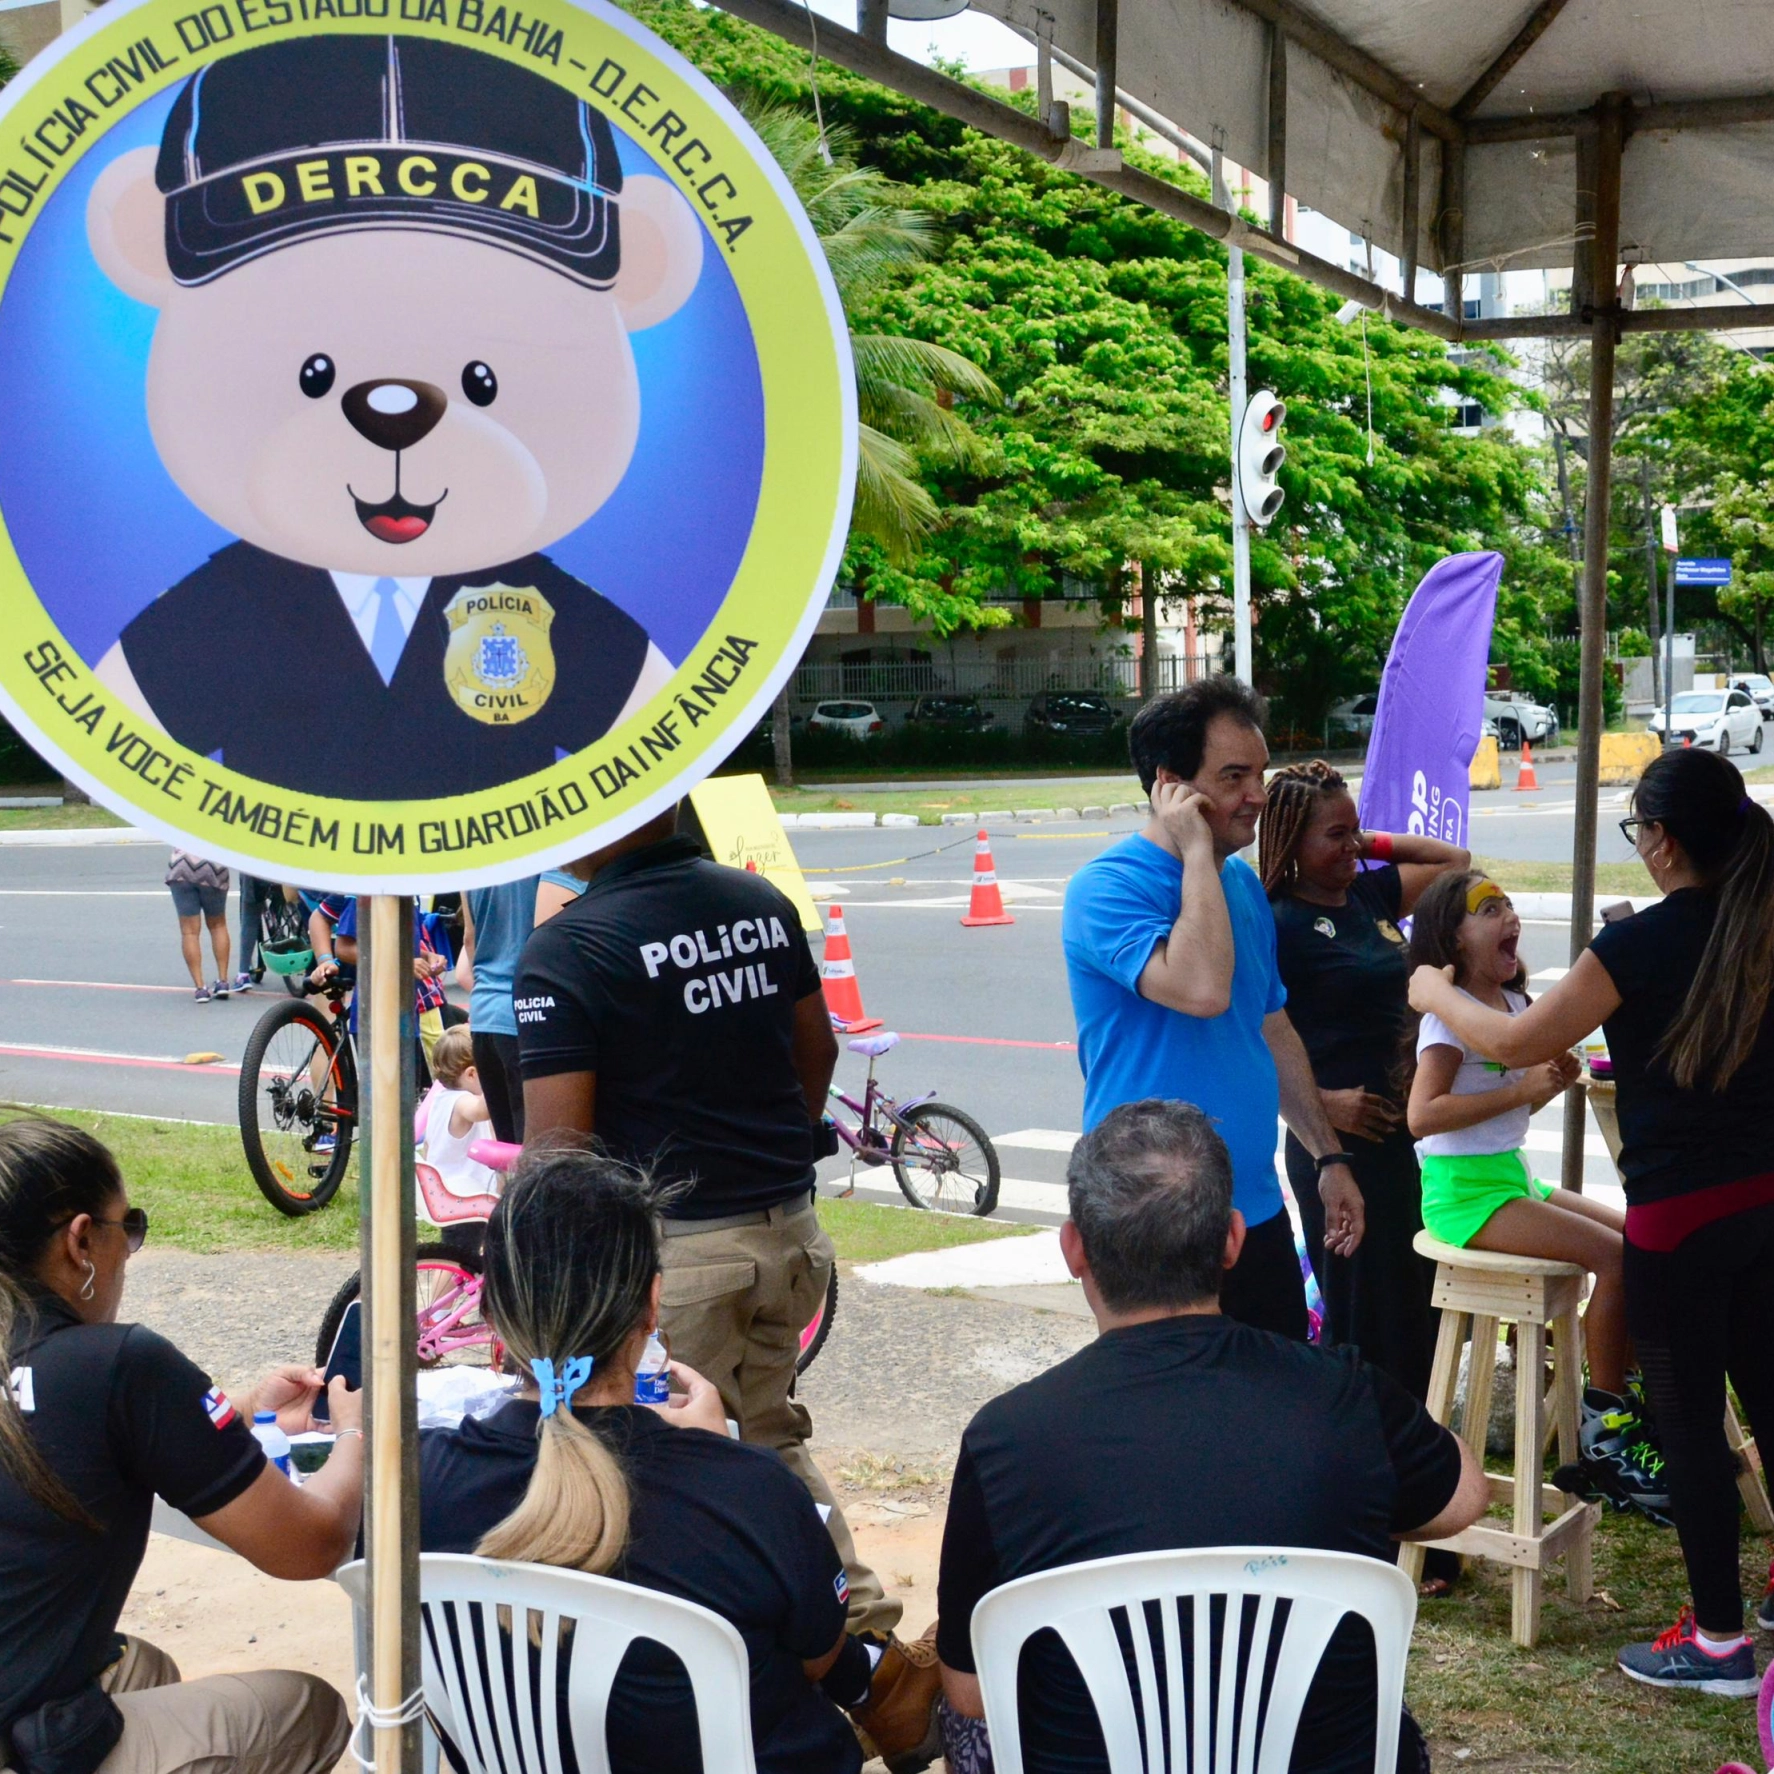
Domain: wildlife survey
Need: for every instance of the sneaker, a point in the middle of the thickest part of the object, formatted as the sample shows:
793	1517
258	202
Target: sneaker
243	982
1765	1613
201	994
1620	1462
219	989
325	1144
899	1721
1677	1659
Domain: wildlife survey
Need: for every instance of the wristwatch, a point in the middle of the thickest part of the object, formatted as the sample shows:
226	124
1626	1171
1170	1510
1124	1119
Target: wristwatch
1323	1163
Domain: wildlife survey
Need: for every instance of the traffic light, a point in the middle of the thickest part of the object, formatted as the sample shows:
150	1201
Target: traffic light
1260	456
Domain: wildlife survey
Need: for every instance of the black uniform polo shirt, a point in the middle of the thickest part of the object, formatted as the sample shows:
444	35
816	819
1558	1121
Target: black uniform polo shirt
119	1415
713	1522
675	980
1193	1431
403	740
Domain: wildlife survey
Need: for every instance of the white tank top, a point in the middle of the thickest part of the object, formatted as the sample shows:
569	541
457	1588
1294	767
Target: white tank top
448	1155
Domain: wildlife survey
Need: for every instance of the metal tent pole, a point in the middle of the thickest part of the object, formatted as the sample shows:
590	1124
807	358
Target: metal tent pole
1237	395
391	1476
1604	263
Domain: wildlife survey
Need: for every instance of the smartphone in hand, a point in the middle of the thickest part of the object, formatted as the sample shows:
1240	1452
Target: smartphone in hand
346	1360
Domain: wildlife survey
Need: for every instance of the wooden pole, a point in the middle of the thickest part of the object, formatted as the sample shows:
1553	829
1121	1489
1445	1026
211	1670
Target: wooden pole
1604	262
391	1477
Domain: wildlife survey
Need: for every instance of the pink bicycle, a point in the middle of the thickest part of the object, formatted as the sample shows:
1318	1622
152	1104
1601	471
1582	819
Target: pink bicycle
451	1327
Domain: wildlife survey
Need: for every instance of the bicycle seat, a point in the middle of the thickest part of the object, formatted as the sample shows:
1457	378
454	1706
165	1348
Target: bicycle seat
874	1045
494	1154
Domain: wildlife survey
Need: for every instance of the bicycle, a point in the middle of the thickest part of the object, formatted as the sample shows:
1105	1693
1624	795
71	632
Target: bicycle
942	1159
448	1285
298	1095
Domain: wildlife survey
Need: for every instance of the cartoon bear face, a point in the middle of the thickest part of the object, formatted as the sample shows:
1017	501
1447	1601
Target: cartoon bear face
395	400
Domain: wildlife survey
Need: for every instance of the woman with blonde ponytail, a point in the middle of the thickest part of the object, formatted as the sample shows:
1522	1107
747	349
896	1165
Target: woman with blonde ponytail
1683	991
96	1419
572	1472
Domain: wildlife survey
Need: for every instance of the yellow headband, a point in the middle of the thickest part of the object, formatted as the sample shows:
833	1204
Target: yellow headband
1479	892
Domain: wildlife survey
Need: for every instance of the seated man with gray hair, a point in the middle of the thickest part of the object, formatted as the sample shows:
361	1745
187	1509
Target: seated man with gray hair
1179	1427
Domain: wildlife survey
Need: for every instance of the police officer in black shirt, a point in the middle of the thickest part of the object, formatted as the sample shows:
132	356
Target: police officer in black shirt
675	1011
99	1417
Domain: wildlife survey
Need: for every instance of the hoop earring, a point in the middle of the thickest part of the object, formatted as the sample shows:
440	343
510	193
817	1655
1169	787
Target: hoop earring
91	1277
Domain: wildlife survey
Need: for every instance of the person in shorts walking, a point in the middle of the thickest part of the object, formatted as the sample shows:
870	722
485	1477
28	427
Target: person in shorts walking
199	891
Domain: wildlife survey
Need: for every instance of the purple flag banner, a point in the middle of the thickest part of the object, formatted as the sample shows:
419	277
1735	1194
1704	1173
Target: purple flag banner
1431	708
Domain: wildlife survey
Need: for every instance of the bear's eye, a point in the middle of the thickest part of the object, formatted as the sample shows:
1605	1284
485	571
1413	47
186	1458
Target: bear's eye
480	384
317	375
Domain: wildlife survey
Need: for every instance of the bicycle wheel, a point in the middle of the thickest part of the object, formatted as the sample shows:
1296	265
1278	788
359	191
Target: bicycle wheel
819	1327
298	1107
451	1330
944	1161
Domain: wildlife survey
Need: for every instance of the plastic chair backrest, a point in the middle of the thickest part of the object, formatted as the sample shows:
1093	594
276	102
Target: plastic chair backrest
1217	1729
489	1709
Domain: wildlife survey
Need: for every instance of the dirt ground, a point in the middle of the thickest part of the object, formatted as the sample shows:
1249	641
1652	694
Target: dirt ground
890	1395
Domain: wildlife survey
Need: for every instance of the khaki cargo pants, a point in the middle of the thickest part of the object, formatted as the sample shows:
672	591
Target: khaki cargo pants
268	1721
735	1300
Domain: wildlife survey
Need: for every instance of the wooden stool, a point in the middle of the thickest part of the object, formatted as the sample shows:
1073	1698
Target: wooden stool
1751	1476
1481	1289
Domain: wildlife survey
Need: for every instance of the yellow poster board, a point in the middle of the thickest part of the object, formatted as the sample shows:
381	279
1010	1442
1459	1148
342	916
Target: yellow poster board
739	820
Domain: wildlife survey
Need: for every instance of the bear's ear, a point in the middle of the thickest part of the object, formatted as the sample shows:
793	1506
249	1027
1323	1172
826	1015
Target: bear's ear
126	227
661	252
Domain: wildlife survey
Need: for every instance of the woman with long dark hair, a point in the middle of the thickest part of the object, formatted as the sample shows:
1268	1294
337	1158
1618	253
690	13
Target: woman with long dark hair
1342	959
1682	990
99	1418
573	1472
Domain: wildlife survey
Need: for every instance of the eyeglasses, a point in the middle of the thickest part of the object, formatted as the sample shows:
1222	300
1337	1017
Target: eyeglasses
134	1225
1629	830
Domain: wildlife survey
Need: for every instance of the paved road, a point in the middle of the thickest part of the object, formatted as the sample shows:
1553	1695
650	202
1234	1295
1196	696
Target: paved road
94	1013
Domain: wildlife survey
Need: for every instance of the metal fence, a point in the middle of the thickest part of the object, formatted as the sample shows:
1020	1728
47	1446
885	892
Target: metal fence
1008	680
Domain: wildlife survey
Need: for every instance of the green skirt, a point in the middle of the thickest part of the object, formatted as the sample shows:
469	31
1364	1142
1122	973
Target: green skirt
1460	1193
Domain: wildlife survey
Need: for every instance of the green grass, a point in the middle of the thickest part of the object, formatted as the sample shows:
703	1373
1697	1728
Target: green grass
200	1197
929	805
1614	879
1563	1705
78	816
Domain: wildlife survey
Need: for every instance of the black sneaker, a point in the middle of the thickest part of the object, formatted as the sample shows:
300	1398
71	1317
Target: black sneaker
1676	1659
1620	1461
219	989
1765	1613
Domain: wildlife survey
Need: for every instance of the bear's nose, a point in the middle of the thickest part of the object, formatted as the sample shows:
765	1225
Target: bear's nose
394	415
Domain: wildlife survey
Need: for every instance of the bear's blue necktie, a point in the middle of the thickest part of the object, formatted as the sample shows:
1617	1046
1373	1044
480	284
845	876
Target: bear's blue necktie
390	635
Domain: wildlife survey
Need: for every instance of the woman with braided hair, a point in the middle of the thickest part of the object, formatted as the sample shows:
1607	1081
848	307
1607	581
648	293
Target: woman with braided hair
1342	959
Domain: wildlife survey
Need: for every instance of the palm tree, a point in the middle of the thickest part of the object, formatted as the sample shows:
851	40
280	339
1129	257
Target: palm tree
905	388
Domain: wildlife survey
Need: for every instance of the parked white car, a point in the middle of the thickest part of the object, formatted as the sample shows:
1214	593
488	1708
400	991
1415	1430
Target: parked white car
1355	714
1760	688
1721	720
858	719
1519	717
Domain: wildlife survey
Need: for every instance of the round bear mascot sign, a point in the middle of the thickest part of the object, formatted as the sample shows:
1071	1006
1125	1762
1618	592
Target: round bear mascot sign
429	429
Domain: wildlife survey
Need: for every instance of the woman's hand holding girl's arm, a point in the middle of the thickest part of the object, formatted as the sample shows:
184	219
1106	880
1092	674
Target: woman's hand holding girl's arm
1576	1006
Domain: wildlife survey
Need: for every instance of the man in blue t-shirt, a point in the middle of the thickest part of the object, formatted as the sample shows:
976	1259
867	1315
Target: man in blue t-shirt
1170	954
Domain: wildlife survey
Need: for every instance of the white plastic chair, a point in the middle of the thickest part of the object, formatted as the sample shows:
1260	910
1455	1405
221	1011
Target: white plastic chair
489	1710
1211	1729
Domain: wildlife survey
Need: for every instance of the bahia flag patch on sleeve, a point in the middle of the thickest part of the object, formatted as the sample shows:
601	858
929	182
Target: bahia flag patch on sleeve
217	1408
841	1586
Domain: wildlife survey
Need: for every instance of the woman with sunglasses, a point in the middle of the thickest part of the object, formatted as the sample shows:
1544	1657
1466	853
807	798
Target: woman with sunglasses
1682	990
99	1418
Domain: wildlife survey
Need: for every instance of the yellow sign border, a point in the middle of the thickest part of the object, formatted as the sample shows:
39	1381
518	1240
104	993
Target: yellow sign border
753	641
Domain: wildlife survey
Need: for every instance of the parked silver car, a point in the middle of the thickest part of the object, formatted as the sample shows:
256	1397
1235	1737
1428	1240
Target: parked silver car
1519	717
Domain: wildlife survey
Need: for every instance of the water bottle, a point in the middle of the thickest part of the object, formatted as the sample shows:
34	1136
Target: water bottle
652	1385
273	1440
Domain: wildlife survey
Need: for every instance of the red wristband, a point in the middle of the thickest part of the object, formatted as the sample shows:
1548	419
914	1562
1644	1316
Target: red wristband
1379	845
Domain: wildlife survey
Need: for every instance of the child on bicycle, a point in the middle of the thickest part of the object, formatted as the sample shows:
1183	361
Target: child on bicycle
1470	1115
456	1115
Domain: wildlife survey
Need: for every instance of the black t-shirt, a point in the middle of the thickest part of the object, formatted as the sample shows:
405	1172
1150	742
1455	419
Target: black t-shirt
119	1415
675	980
1186	1432
714	1522
1346	976
1675	1140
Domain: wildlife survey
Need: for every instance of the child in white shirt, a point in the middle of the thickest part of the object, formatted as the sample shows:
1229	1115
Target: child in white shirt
456	1115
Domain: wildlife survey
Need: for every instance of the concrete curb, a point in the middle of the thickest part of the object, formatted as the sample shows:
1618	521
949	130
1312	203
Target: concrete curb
76	837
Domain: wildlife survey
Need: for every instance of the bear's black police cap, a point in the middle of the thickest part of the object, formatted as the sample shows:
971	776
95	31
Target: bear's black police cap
279	143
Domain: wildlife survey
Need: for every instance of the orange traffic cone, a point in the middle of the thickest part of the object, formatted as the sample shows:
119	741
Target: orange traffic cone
837	973
987	903
1524	776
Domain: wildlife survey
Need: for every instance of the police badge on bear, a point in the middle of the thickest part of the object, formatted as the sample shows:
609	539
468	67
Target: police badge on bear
434	428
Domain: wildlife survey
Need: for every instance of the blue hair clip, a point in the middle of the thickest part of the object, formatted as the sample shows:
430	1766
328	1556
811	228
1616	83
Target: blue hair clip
555	1393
